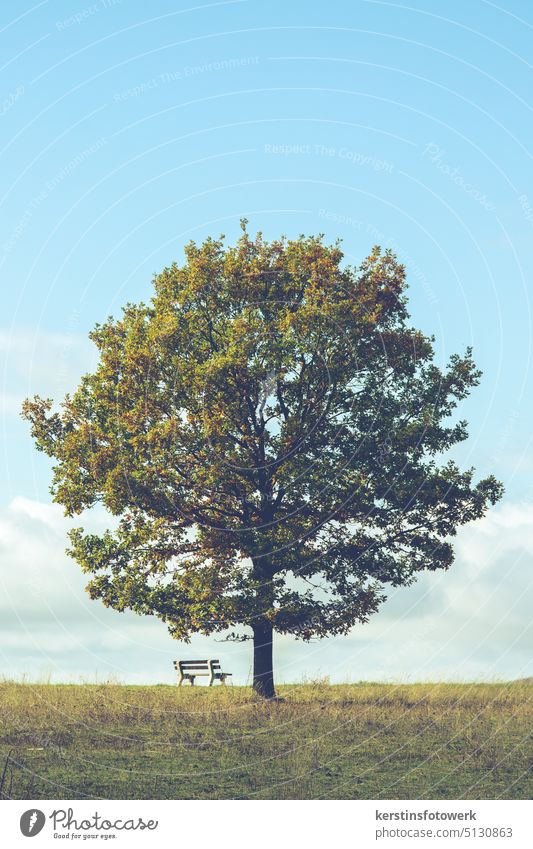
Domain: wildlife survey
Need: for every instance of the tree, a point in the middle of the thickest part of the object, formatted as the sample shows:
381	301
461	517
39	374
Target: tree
267	431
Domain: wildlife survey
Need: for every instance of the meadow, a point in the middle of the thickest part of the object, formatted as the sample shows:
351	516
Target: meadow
357	741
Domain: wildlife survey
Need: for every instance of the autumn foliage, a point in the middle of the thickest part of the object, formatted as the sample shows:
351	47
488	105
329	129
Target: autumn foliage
267	430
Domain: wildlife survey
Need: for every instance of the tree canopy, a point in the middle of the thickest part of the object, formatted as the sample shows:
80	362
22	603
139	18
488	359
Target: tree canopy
269	431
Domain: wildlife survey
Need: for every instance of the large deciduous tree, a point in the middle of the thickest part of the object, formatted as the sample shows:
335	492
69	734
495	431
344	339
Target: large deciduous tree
267	431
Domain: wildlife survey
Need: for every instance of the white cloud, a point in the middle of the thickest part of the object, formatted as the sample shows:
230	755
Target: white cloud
473	622
47	364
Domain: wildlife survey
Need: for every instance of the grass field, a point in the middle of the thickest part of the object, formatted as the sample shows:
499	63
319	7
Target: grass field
423	741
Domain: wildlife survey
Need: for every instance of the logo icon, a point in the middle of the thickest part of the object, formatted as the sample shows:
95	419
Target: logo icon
32	822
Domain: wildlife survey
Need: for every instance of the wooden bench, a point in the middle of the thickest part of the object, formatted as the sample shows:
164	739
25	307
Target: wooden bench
188	670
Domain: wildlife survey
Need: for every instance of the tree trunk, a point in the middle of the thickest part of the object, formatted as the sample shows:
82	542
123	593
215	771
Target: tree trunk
263	683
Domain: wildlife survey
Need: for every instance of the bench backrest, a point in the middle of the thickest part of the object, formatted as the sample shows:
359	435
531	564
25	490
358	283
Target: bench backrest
201	665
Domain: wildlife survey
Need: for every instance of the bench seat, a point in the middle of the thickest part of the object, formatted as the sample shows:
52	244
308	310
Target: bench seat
188	670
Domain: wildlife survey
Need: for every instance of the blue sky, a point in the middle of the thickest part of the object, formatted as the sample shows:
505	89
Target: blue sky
128	129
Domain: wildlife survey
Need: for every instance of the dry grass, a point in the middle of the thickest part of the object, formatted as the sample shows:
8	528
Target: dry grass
424	741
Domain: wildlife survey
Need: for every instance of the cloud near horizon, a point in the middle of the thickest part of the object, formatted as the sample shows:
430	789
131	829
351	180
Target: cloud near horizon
471	623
